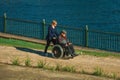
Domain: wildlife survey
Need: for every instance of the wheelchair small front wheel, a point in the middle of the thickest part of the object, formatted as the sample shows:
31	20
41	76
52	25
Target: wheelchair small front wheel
57	51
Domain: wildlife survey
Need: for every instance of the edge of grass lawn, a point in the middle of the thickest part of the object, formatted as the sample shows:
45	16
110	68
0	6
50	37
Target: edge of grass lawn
25	44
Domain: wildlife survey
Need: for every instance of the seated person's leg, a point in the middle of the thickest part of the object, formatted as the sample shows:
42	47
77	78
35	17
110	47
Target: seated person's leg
72	48
70	51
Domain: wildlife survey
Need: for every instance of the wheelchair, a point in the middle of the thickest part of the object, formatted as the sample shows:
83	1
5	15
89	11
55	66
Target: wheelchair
59	52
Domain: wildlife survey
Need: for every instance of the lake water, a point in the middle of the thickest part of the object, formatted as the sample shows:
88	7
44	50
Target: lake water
97	14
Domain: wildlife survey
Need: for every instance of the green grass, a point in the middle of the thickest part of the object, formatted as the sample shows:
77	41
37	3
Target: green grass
41	64
25	44
20	43
15	61
98	71
69	69
100	53
28	61
58	67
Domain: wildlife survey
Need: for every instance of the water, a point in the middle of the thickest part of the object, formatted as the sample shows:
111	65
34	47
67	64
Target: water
97	14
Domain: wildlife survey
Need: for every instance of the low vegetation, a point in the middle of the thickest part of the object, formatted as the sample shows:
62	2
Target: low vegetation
67	68
15	61
41	64
98	71
28	61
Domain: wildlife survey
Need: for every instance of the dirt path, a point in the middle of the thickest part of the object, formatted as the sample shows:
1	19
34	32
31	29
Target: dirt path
25	73
82	62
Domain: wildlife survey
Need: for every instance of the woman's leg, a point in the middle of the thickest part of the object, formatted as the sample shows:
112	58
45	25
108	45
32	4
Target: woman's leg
47	45
54	41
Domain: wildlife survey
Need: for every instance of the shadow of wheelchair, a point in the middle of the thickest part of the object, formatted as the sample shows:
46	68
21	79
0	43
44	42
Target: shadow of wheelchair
50	55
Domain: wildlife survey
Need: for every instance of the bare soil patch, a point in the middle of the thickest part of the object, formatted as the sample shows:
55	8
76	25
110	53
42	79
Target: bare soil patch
25	73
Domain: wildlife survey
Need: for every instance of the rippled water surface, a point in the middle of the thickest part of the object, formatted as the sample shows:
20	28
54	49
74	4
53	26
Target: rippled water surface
97	14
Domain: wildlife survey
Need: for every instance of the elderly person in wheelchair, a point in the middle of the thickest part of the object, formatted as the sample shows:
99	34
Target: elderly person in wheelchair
64	47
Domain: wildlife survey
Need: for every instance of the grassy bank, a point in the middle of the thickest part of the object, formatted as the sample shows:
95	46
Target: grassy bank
20	43
25	44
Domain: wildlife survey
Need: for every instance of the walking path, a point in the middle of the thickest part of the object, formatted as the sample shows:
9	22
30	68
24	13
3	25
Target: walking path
87	63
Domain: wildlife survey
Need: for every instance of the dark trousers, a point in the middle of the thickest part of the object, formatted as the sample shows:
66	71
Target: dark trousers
70	49
54	41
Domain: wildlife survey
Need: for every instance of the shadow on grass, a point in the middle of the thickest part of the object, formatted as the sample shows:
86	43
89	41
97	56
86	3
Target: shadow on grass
34	51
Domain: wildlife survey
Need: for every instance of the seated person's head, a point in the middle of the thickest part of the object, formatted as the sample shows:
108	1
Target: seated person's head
63	33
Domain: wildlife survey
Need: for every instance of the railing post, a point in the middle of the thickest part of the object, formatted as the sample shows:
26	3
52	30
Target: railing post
86	36
4	23
43	28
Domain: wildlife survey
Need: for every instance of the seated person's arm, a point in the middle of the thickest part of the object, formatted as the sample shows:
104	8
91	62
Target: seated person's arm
62	41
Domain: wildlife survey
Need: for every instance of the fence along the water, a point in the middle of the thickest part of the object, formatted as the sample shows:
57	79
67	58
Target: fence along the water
1	24
78	36
104	40
23	27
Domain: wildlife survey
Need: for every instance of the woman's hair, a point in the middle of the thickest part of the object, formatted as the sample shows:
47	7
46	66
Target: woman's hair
54	22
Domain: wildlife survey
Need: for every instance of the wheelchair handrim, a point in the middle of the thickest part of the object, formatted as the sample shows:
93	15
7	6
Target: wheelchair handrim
57	51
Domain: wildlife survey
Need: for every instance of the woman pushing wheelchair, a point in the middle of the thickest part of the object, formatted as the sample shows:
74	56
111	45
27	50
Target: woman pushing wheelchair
59	40
52	35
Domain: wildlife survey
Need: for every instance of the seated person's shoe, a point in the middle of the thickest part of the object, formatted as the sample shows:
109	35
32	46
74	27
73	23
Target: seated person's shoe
72	56
75	54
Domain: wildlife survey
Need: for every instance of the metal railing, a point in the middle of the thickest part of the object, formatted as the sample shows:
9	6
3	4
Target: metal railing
78	36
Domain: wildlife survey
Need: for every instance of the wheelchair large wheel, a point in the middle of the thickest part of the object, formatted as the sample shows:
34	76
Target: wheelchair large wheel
57	51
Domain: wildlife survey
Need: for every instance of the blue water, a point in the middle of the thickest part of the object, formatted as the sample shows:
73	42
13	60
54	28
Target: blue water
97	14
